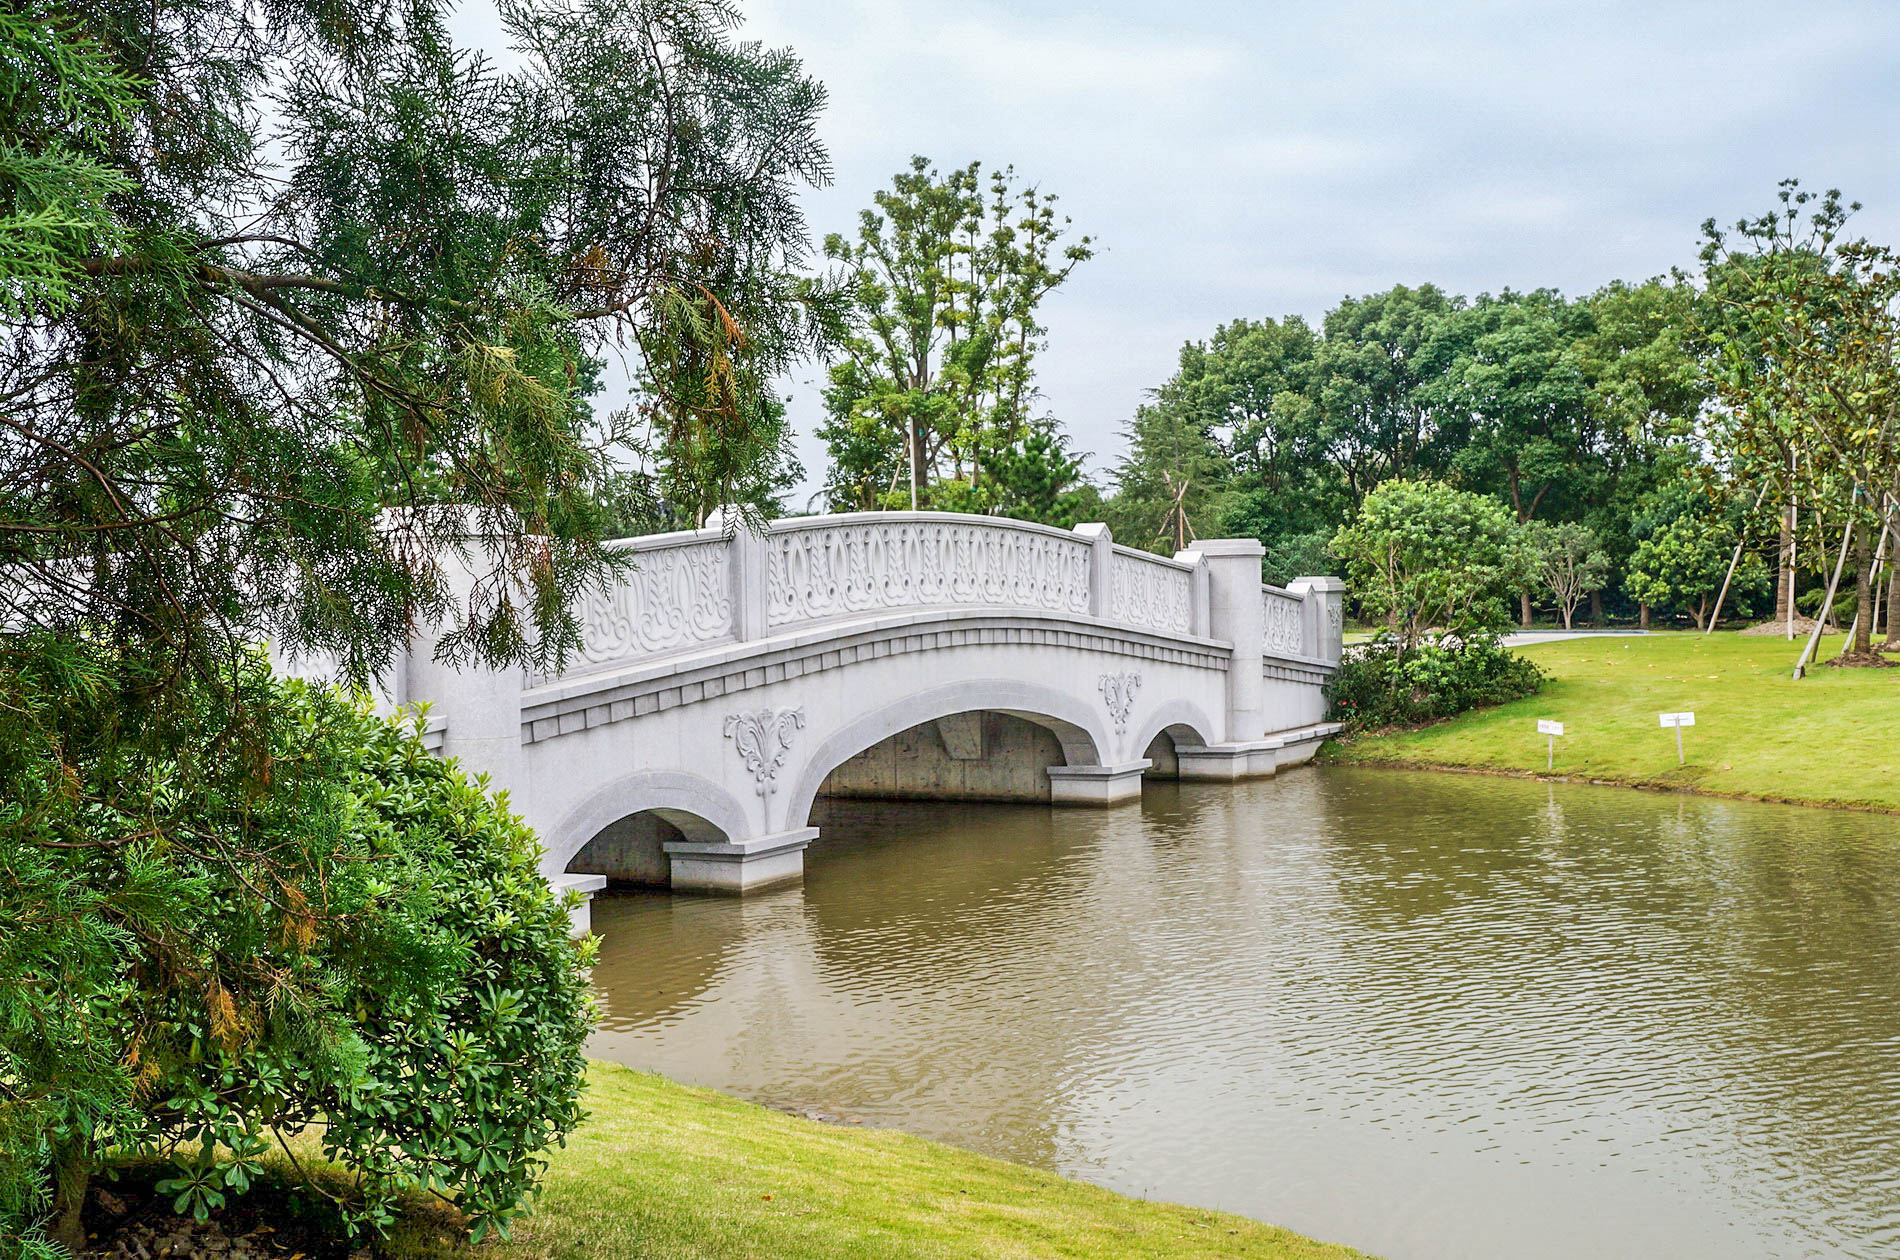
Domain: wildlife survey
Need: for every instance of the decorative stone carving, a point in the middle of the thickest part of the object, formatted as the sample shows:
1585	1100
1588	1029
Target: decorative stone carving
813	574
1151	593
764	739
673	599
1284	632
1118	692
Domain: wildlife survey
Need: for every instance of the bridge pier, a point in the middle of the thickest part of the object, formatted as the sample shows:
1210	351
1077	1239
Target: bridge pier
1096	785
740	866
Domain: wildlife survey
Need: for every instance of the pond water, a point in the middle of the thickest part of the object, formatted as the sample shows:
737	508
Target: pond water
1426	1015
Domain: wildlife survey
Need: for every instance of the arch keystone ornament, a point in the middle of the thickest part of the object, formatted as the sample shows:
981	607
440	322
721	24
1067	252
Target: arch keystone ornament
764	739
1118	693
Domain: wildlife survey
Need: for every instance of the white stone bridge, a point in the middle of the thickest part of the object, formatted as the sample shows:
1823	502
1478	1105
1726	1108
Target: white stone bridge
729	680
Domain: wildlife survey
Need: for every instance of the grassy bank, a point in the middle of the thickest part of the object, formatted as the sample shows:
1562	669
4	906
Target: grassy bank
1829	739
664	1172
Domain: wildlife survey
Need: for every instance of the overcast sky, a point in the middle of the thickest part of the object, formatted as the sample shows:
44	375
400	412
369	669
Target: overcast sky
1242	159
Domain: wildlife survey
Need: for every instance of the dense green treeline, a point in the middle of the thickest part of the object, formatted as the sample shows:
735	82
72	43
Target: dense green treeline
1566	410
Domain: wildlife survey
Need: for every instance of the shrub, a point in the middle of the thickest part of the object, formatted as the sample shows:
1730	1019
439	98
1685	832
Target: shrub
202	967
1381	684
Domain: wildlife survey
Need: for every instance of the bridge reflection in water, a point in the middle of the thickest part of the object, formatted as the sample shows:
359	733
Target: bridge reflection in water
1430	1016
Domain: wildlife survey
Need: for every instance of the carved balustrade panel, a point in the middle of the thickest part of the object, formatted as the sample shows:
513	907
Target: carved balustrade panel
814	574
1149	593
674	598
1285	623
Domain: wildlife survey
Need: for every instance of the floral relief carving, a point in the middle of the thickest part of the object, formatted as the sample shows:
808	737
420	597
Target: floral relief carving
818	573
1118	693
673	598
1285	632
1145	592
764	739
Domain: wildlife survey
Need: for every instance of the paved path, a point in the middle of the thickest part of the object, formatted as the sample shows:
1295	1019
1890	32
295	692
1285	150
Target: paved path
1523	637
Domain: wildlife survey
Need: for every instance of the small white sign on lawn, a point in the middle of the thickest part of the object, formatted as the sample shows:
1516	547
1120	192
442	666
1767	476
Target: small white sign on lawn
1678	721
1553	729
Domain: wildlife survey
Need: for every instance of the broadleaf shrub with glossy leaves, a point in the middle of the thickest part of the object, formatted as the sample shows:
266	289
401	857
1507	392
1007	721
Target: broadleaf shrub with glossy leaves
1383	684
363	946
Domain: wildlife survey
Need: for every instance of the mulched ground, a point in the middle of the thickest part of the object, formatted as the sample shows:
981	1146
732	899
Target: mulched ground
1861	660
127	1220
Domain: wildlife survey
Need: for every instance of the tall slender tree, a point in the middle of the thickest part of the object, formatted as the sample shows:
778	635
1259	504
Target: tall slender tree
946	278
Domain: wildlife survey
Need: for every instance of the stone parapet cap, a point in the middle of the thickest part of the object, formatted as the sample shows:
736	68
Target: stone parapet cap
1230	547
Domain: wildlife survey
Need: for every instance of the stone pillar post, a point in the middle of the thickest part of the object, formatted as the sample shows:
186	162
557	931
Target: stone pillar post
479	706
1197	608
748	574
1236	614
1101	568
1325	599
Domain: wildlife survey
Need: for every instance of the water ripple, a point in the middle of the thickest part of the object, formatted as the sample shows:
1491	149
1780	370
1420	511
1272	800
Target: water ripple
1431	1016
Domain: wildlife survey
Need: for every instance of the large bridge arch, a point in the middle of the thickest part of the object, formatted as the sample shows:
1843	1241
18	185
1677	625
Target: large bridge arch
1073	722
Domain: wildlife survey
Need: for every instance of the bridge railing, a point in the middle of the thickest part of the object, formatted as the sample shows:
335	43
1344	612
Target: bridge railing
700	588
677	596
823	568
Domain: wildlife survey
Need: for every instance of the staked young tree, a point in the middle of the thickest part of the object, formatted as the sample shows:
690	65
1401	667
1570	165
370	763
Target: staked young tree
1811	392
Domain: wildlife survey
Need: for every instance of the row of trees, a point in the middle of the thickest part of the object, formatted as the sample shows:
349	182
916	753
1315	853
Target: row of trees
1670	444
1715	441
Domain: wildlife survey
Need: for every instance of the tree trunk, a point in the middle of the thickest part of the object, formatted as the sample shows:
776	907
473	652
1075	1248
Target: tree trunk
1863	591
1701	603
1524	608
71	1179
916	465
1784	568
1568	609
1596	608
1642	616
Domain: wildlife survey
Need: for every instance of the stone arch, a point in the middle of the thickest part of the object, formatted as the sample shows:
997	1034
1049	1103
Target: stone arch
1182	720
700	809
1169	727
1072	720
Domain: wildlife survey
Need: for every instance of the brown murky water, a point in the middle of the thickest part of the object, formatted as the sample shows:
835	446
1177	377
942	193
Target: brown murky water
1428	1015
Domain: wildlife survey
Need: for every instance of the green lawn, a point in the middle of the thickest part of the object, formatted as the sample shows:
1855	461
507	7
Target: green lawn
1831	739
664	1172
